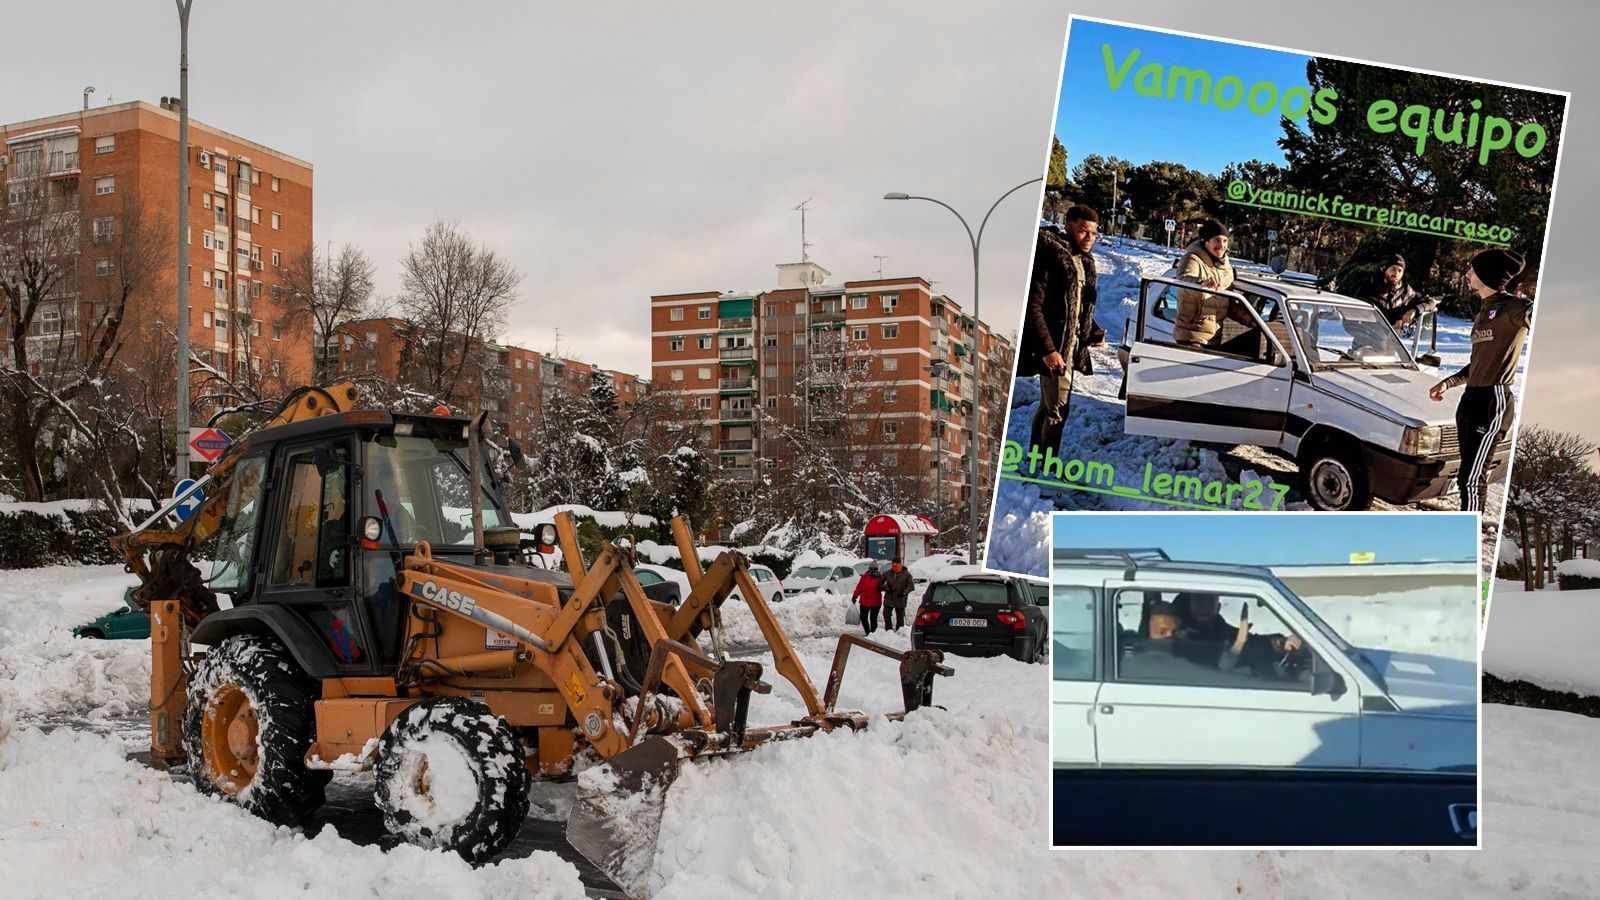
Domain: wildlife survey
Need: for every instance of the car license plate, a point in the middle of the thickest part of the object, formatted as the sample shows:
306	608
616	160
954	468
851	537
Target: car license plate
970	623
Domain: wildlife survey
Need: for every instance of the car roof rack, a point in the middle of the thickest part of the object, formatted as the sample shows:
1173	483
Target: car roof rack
1129	556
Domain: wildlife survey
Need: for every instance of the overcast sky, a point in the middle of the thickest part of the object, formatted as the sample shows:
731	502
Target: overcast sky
618	150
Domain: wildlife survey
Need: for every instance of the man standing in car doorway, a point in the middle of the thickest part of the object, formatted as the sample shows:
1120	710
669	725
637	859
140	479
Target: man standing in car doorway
1487	408
1059	328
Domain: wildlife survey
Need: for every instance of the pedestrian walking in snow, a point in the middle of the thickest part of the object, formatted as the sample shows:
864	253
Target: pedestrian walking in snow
869	593
896	585
1059	328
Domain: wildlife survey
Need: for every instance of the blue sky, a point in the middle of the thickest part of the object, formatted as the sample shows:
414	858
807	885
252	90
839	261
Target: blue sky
1094	119
1278	539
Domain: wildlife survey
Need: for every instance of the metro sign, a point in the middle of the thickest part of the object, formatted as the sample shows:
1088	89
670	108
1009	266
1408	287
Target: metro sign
209	443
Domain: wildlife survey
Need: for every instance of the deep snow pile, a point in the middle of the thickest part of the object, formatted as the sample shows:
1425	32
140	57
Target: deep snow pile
1547	637
1433	621
44	670
804	615
1583	568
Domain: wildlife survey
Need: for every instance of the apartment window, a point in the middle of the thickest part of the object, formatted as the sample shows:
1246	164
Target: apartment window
705	342
890	364
205	278
255	214
891	396
221	214
205	199
277	220
243	290
277	331
255	327
222	243
704	312
206	318
703	402
255	176
104	266
859	461
255	252
105	143
772	310
890	301
274	182
677	375
277	259
771	371
858	301
675	314
105	184
770	340
891	459
891	330
676	344
221	291
104	228
206	241
858	427
255	289
891	430
704	374
800	307
772	403
858	333
799	339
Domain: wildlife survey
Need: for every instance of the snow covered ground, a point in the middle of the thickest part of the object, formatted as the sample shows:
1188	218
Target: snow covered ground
1020	536
1546	637
949	803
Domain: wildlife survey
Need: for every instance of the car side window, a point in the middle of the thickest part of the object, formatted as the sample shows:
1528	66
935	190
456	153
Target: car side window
1072	631
1190	638
1196	310
1165	307
843	572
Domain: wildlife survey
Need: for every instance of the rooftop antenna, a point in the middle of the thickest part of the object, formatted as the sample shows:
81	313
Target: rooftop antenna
804	245
880	260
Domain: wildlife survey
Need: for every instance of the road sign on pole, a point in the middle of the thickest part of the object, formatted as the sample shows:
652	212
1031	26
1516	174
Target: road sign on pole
192	503
208	443
1272	234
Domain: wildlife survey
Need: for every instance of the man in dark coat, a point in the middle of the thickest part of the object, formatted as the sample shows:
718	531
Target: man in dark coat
1058	327
1388	291
896	584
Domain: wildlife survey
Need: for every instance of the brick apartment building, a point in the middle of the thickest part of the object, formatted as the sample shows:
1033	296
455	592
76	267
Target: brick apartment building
883	366
112	169
519	380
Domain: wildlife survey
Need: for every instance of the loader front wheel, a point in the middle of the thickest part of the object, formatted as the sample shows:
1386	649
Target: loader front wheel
250	719
451	775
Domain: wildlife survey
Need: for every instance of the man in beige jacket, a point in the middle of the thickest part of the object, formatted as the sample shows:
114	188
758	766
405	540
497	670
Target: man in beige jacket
1200	313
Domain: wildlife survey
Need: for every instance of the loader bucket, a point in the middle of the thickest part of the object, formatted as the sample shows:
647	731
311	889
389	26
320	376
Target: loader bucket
616	815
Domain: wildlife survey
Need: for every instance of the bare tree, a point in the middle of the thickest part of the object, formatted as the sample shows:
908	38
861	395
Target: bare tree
327	292
456	291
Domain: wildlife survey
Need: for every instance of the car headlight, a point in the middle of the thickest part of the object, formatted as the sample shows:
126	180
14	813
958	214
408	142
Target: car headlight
1422	441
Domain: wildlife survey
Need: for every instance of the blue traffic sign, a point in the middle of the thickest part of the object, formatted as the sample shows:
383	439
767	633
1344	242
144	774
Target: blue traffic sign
191	503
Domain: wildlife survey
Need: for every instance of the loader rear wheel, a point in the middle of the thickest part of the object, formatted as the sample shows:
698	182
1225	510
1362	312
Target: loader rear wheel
249	722
451	776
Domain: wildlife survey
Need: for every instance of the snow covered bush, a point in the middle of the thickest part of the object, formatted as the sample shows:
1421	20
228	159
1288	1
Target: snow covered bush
1579	574
47	534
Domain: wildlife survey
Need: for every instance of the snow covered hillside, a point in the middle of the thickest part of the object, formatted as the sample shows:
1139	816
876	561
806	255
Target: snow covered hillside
1021	531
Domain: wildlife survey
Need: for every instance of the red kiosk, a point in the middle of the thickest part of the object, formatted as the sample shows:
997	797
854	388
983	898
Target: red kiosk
908	537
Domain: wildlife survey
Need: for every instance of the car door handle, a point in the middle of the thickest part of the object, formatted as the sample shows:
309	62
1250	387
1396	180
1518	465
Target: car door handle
1107	709
1133	359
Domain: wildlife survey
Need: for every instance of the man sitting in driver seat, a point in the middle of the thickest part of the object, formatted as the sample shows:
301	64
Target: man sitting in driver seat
1274	657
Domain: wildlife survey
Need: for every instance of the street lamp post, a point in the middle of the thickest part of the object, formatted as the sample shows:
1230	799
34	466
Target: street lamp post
972	446
181	462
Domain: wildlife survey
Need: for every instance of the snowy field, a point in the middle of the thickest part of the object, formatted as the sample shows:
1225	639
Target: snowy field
1548	637
1020	537
950	803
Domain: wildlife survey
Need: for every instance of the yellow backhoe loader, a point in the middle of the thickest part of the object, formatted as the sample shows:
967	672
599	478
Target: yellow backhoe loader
382	616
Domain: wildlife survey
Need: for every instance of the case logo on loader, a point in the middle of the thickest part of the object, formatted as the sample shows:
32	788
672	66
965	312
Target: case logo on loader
447	598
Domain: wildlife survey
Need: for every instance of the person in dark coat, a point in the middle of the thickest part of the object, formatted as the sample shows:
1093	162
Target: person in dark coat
1199	618
897	584
869	593
1058	327
1388	291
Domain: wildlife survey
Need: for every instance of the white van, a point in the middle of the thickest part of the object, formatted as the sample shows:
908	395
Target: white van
1319	376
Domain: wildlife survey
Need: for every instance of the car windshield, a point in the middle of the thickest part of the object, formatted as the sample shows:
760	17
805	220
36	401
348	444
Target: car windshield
982	593
420	490
809	572
1337	335
862	567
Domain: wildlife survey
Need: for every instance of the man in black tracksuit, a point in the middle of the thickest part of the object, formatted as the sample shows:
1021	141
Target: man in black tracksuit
1058	326
1487	407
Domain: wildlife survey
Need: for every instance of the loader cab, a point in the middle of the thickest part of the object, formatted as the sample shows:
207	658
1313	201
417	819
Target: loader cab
322	513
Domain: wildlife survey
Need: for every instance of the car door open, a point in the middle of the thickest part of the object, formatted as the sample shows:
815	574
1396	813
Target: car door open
1234	389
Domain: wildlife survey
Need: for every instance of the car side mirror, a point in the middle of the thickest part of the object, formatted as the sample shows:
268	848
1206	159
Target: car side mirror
1328	682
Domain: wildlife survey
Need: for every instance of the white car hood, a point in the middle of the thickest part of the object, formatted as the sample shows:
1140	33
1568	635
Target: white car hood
1403	392
1435	685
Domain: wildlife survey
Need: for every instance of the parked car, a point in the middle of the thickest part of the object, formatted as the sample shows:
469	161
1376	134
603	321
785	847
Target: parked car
767	580
1321	377
1313	742
649	574
983	614
837	578
126	623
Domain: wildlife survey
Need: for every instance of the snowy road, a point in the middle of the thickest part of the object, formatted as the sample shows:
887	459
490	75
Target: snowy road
950	803
1094	429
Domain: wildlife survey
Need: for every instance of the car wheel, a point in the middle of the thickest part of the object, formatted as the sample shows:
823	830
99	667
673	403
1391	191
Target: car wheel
1334	479
778	597
450	775
248	724
92	634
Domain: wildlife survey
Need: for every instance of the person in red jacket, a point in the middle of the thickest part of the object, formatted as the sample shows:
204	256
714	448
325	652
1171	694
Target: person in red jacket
869	592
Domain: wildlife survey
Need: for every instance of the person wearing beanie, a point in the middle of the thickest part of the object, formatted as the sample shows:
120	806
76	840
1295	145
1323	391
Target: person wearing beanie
1487	409
1388	291
1058	326
1205	262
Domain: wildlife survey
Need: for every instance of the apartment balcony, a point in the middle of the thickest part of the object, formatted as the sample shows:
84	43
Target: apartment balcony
739	472
741	383
63	165
828	316
742	353
737	446
732	414
736	323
